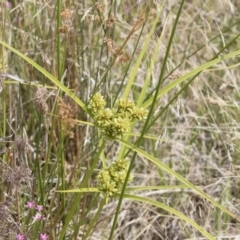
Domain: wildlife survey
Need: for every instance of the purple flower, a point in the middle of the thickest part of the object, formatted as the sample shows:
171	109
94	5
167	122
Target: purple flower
43	236
30	204
38	217
39	208
8	4
20	237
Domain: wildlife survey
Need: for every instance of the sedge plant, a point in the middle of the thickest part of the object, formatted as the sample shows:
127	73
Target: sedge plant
91	113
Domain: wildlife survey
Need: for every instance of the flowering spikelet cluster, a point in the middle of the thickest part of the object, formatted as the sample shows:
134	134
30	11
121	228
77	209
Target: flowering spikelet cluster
96	103
40	100
16	177
121	57
66	117
67	19
115	122
20	144
108	22
111	179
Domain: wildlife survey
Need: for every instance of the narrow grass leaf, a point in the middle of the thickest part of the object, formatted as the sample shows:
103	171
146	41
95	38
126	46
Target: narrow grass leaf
178	176
48	75
190	74
170	210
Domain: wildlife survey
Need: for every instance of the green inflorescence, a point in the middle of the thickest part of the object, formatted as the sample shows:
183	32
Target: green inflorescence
96	103
114	122
111	179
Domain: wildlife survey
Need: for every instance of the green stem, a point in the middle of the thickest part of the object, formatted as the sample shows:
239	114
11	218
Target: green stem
59	3
79	195
94	220
146	123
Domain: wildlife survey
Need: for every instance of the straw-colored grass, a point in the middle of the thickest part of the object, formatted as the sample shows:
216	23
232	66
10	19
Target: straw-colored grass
178	63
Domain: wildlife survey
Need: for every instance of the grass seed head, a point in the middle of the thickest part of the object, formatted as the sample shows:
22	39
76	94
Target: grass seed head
111	179
114	122
40	100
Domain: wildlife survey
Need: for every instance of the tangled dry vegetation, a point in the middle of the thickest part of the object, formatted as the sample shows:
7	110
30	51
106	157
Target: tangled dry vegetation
197	136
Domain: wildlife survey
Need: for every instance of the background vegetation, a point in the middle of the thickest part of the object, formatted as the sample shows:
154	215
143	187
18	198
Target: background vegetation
177	61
